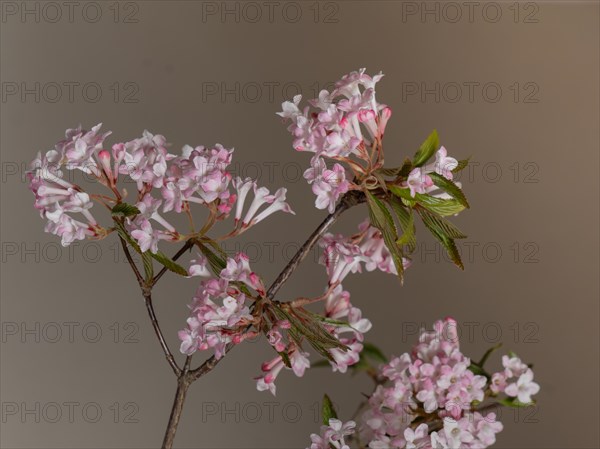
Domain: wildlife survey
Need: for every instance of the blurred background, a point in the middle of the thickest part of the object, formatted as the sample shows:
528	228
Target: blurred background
514	85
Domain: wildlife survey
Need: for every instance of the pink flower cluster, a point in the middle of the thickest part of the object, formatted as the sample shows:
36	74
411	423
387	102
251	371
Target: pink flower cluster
341	319
516	380
419	181
434	382
58	199
333	435
347	125
347	122
199	175
218	312
430	397
343	255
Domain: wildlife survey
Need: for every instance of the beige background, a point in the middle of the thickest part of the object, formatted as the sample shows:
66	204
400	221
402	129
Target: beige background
533	227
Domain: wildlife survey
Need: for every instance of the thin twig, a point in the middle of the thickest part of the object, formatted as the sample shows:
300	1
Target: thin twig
349	200
146	292
186	376
159	334
138	276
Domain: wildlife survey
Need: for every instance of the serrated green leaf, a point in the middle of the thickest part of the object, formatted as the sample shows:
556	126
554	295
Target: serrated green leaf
125	236
478	370
440	206
285	358
304	327
440	224
311	326
148	266
382	219
488	353
514	402
462	164
124	210
328	410
406	168
361	365
372	351
449	187
159	256
444	231
427	149
217	263
408	239
320	364
168	263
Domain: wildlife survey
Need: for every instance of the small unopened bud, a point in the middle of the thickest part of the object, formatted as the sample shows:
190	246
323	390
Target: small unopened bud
386	113
104	157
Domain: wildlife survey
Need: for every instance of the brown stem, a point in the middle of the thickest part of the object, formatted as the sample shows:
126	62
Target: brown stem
159	334
183	383
146	292
186	376
349	200
132	264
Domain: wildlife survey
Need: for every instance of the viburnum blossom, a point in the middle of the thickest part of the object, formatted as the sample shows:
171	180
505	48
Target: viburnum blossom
433	397
344	126
516	380
339	308
430	398
199	175
56	198
333	435
343	255
419	181
342	320
218	312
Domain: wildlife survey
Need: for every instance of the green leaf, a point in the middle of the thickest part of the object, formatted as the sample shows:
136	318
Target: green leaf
124	210
406	168
328	411
440	206
216	262
440	224
406	220
488	353
320	364
382	219
159	256
429	147
462	164
304	326
125	236
361	365
372	351
514	402
445	232
148	266
478	370
285	358
168	263
450	187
